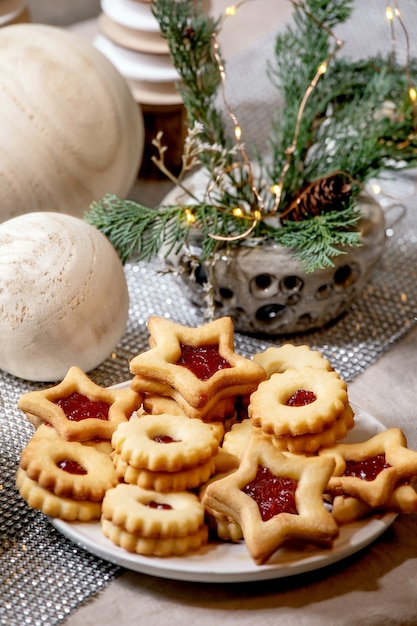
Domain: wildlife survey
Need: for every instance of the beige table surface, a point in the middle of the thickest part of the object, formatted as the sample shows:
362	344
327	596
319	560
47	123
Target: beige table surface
375	587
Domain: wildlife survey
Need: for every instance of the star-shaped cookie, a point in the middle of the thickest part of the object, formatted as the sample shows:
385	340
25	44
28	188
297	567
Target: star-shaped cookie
198	363
294	485
79	394
371	470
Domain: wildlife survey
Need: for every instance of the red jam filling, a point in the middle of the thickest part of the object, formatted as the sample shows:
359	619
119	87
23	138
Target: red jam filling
164	439
368	469
273	494
78	407
301	397
202	361
161	506
72	467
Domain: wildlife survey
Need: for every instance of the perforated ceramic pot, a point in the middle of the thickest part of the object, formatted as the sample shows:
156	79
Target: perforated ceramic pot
264	289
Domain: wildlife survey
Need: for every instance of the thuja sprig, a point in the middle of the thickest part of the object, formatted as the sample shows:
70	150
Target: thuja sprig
333	120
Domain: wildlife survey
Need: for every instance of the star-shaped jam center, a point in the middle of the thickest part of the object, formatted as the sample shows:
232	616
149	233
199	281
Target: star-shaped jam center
371	470
203	361
79	409
273	494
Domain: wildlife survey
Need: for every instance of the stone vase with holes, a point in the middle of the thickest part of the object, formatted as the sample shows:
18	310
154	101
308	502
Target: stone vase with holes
264	289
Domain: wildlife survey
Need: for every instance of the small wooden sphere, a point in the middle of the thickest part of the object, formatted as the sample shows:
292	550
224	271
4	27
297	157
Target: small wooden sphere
71	130
63	298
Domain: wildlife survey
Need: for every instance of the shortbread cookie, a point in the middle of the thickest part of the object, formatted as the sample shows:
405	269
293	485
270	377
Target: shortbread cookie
164	482
55	506
153	546
165	443
198	363
48	431
298	402
159	398
371	470
236	440
79	409
310	443
67	468
288	356
152	514
274	496
346	509
223	526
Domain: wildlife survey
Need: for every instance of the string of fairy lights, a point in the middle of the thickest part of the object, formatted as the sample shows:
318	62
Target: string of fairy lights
256	211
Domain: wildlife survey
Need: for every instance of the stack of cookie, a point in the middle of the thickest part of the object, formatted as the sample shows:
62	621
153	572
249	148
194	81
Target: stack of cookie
303	405
162	460
196	368
186	458
66	467
65	479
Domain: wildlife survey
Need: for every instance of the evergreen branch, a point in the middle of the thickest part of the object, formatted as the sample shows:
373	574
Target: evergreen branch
189	33
137	231
316	240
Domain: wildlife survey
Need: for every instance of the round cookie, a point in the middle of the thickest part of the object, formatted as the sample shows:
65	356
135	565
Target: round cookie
165	443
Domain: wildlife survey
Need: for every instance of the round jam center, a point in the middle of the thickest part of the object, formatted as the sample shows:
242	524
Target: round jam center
273	494
164	439
72	467
368	469
301	397
161	506
78	407
202	361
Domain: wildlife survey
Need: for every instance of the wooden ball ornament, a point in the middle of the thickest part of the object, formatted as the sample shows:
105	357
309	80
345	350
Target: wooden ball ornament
71	130
63	298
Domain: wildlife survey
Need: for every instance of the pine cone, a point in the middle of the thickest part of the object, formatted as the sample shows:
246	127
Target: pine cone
328	193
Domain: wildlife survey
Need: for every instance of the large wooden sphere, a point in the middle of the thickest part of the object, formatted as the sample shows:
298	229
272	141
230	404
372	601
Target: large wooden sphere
63	300
70	130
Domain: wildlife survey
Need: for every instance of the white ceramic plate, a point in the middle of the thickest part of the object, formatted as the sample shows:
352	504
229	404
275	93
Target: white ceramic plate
227	562
137	65
138	40
137	15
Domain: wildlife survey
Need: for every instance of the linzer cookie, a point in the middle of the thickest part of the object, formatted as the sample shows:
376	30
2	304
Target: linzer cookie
197	367
277	360
274	496
166	452
298	402
64	479
150	523
371	470
167	443
347	509
68	468
67	509
78	409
